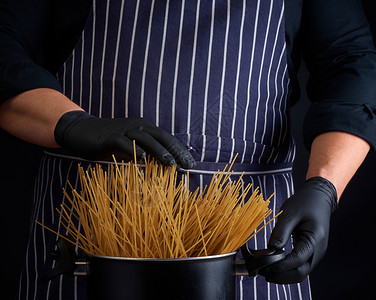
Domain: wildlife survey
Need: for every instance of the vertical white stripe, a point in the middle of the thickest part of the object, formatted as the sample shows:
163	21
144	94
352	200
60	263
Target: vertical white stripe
116	59
223	81
280	110
75	291
92	60
72	73
267	232
51	193
275	102
288	194
299	291
36	202
291	151
60	228
275	197
288	184
131	58
241	296
262	187
259	79
161	62
253	190
40	216
36	246
250	77
277	291
64	74
75	288
287	129
264	192
177	67
255	288
146	56
285	97
37	195
309	288
254	279
186	181
54	262
241	281
262	151
243	187
285	290
201	183
291	155
20	287
237	80
282	55
61	287
207	81
289	290
82	66
103	60
192	73
60	175
268	83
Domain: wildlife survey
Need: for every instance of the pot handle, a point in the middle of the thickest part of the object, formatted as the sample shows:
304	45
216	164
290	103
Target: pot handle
254	260
66	262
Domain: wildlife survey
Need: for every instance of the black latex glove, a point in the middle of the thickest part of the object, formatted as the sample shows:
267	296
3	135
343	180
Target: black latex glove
306	215
98	138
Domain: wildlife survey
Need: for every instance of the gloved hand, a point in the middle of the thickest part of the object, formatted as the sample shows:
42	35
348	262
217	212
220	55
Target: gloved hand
306	215
96	138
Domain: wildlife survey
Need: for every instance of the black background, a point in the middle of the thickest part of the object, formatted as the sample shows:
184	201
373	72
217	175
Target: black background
346	272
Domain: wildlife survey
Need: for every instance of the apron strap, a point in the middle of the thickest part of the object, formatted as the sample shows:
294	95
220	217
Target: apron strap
209	168
204	168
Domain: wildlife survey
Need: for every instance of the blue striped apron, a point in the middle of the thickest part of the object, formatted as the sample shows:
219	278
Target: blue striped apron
213	73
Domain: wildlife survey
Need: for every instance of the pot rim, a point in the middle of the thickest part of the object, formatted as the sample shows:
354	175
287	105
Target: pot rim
150	259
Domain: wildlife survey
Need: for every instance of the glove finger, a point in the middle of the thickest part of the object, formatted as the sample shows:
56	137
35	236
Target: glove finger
172	145
125	145
300	255
282	230
153	146
287	277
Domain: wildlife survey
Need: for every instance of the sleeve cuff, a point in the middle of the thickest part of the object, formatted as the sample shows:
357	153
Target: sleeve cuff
334	115
23	76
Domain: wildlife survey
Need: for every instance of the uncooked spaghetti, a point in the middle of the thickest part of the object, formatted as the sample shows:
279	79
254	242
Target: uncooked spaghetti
146	211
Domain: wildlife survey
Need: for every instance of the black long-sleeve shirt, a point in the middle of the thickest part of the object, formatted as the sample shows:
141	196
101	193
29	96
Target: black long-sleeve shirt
332	36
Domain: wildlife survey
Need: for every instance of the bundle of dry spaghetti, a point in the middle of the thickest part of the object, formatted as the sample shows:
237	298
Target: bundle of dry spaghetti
148	212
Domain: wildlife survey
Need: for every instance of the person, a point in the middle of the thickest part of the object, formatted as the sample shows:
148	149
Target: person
359	211
193	83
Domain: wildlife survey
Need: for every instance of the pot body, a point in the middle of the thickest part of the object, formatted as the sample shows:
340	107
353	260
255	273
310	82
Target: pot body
201	278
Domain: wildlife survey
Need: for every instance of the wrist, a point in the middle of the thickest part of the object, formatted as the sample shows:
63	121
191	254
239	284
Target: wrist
325	186
66	122
329	176
336	156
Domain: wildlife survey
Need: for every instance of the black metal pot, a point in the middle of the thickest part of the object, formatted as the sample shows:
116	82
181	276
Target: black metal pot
198	278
